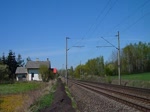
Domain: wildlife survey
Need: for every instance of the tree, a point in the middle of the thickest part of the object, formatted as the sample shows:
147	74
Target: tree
135	58
95	66
20	61
46	74
3	59
71	71
12	64
77	71
28	59
4	72
110	69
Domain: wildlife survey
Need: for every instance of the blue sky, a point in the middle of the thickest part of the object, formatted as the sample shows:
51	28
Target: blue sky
38	28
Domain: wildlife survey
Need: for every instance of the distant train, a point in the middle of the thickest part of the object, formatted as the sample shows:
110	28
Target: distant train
54	70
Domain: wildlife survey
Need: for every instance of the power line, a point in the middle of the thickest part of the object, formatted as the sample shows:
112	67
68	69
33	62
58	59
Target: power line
141	6
94	22
132	14
105	15
102	11
135	22
102	18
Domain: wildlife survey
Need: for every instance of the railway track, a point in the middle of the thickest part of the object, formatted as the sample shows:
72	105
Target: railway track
126	95
126	89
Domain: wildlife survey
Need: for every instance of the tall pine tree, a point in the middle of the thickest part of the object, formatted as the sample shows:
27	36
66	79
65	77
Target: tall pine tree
12	64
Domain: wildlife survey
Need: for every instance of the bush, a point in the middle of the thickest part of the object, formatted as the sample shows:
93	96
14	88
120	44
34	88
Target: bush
4	73
44	71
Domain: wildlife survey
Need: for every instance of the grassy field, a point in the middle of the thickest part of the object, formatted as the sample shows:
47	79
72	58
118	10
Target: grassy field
141	76
141	80
8	103
10	93
19	87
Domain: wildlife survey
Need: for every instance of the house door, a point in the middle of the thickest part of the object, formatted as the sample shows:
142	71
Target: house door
32	75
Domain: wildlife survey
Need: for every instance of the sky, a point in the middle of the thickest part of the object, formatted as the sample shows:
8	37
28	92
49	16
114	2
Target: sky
38	28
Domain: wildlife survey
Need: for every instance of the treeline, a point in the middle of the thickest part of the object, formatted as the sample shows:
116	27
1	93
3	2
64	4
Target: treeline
92	66
8	65
135	58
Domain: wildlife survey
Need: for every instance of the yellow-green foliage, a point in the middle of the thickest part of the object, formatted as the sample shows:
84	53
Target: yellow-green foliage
10	103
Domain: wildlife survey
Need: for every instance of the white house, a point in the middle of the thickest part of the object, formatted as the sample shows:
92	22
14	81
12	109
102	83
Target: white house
31	70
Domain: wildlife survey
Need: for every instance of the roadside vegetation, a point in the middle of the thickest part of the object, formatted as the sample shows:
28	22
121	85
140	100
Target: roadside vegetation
44	101
74	105
46	74
25	94
20	93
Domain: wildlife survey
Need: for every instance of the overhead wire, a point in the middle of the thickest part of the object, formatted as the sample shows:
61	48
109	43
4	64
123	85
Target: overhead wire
83	38
129	16
132	14
101	20
101	12
105	15
131	25
120	23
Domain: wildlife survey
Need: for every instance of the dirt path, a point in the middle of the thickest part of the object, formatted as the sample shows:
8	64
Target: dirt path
61	103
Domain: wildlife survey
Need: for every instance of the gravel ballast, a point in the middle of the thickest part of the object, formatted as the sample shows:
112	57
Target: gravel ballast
88	101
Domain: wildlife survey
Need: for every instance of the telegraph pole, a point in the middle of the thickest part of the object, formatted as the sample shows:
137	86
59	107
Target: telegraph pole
118	48
80	70
119	77
67	59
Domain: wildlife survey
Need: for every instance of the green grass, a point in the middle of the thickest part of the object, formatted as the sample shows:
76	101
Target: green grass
44	101
18	87
141	76
74	105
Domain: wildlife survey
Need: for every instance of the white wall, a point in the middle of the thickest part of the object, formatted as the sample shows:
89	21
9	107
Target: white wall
36	74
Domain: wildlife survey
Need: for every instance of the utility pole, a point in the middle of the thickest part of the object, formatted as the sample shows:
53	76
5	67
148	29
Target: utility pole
118	48
80	70
119	77
67	59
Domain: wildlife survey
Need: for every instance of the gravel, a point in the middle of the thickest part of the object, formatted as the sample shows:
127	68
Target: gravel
88	101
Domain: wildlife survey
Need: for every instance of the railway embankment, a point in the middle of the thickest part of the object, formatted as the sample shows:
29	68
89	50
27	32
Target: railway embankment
89	101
